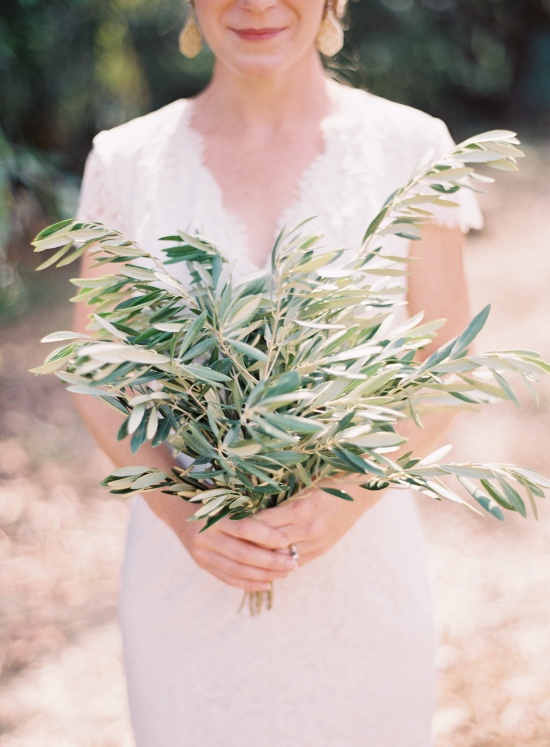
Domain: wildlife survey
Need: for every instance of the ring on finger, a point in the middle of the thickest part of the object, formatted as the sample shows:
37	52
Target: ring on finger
294	554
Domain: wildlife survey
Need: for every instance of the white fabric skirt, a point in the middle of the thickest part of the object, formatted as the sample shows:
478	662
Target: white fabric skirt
345	658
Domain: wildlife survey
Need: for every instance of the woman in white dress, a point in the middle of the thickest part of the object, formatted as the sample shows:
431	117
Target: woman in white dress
346	656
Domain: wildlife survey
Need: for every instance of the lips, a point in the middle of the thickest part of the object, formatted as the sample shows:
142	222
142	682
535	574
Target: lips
258	34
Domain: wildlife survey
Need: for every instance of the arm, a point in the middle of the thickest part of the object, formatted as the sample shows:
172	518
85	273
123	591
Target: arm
437	285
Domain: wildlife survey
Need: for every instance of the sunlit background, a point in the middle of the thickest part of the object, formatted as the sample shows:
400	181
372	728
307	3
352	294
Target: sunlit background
71	68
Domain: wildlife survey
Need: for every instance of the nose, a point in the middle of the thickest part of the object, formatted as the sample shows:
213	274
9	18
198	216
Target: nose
257	6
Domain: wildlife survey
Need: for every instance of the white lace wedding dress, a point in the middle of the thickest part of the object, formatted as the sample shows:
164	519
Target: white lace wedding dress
346	656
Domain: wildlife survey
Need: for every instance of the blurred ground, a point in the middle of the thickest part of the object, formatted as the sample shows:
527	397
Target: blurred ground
61	535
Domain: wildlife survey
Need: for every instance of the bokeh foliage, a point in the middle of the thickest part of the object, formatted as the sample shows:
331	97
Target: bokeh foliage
72	67
461	59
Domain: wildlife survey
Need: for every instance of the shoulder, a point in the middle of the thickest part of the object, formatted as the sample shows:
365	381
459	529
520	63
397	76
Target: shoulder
395	138
146	133
134	165
397	127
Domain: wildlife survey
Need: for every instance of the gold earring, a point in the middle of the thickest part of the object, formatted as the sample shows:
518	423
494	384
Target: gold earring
330	38
190	39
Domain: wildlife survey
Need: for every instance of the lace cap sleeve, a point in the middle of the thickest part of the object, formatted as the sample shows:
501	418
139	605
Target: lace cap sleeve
468	213
97	202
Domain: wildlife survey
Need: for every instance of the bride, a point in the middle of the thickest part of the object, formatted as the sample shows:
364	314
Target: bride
346	656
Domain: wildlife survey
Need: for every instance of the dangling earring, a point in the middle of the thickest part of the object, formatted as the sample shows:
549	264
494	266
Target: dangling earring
190	39
330	38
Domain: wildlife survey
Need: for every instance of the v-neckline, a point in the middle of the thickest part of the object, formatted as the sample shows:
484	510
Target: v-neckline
305	181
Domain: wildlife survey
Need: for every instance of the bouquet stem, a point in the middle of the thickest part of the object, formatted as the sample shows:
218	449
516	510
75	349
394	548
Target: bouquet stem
256	601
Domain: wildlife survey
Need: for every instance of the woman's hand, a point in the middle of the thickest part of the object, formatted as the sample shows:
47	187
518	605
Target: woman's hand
245	553
316	521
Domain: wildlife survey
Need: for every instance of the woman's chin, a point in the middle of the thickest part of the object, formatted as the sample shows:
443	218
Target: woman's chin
256	65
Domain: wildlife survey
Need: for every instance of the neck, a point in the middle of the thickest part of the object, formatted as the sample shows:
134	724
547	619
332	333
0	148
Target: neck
262	104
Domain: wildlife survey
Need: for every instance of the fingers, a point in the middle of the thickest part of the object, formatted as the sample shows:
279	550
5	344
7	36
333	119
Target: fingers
240	553
297	534
246	554
294	519
288	512
232	568
238	562
256	531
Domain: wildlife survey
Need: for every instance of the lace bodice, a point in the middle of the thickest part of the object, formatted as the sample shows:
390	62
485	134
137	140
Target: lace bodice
148	177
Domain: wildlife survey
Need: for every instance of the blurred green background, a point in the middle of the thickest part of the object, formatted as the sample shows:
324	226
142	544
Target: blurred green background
69	68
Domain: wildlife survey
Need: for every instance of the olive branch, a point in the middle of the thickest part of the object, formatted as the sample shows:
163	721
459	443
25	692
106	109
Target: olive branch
275	382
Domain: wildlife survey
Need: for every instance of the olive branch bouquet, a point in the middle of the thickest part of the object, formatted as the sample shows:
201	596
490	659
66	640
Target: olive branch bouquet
278	381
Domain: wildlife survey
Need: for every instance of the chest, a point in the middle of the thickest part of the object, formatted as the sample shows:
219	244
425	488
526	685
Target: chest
258	181
338	179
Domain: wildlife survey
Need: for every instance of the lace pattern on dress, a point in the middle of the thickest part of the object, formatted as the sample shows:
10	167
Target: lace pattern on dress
97	195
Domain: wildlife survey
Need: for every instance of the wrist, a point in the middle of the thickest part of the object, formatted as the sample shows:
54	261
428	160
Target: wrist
171	509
